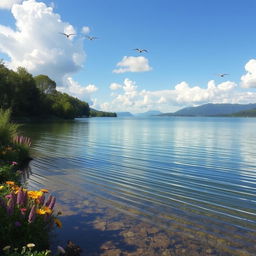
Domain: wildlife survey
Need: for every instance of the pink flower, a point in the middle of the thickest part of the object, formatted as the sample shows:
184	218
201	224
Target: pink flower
14	163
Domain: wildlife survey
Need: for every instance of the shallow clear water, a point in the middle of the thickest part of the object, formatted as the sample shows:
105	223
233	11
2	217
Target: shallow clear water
194	177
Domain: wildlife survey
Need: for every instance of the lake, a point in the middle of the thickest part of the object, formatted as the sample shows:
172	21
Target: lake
153	186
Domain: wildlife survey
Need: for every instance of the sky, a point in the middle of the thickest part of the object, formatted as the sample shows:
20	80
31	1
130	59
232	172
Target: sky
189	44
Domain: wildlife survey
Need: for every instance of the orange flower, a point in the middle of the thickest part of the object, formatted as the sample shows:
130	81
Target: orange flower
58	223
10	183
44	190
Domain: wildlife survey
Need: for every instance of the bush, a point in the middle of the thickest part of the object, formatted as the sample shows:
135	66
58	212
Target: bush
25	216
8	130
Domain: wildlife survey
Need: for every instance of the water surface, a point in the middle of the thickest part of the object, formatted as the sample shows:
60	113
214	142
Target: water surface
190	180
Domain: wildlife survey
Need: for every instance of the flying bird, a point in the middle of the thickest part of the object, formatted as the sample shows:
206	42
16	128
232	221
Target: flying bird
67	35
222	75
140	50
91	37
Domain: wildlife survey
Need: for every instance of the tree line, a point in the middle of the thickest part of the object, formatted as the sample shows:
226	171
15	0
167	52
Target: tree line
29	96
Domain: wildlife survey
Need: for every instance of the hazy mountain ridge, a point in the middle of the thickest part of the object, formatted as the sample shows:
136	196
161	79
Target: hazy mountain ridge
212	110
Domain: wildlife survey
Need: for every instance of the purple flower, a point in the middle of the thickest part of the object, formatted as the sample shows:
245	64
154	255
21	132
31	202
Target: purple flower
10	206
42	198
52	203
17	224
32	214
49	200
20	196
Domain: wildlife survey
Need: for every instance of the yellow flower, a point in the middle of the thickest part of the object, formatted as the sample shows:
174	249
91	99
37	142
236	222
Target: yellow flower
44	210
58	223
44	190
41	211
47	210
35	194
1	187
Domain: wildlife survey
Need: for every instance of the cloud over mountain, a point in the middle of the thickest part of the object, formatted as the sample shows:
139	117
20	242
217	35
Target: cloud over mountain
130	98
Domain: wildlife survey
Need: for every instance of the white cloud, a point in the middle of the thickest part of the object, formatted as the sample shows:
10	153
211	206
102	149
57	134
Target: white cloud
115	86
134	100
85	30
8	4
75	89
38	45
249	79
132	64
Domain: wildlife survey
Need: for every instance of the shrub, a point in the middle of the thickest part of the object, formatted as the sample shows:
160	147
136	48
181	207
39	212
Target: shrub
25	216
8	130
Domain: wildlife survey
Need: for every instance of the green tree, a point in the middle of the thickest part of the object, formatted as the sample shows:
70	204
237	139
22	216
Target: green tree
45	84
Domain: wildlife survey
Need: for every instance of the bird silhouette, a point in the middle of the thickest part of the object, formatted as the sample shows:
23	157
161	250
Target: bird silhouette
140	50
222	74
91	37
67	35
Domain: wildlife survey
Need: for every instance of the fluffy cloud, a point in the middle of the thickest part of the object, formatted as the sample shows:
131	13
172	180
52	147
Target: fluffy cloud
85	30
75	89
115	86
249	79
37	43
134	100
7	4
132	64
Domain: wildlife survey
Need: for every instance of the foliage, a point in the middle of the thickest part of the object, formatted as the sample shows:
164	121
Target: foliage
30	96
8	130
45	84
96	113
25	216
25	251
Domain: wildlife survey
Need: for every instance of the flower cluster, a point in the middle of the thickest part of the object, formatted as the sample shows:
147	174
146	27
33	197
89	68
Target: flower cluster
26	212
22	140
29	203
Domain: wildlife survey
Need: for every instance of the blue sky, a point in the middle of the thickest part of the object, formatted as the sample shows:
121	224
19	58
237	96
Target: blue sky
189	43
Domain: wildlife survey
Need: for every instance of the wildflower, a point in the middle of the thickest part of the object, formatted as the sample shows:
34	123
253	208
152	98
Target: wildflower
44	210
48	200
58	222
52	203
10	183
23	211
44	190
61	249
41	199
14	163
1	187
30	245
10	205
20	196
7	248
32	214
17	224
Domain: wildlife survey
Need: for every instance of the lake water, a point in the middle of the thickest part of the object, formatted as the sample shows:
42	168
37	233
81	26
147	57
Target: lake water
156	186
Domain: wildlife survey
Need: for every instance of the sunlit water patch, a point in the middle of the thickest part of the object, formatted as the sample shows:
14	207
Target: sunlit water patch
183	186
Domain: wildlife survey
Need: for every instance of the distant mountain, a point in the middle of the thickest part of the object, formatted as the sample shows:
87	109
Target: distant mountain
245	113
212	110
124	114
149	113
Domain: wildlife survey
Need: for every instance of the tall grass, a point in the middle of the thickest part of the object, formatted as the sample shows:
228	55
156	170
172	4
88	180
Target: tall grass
8	130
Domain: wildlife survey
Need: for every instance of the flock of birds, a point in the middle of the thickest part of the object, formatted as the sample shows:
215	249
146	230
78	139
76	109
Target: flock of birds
91	38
